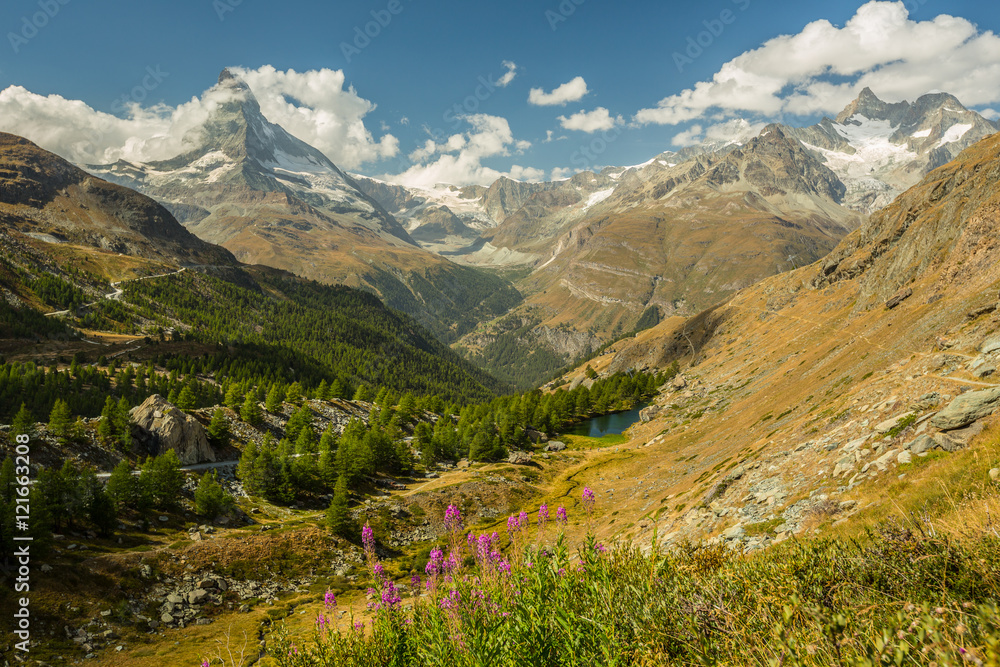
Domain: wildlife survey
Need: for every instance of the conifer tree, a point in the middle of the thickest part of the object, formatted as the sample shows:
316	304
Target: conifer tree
294	393
250	412
274	399
218	428
210	498
60	420
186	399
24	423
338	517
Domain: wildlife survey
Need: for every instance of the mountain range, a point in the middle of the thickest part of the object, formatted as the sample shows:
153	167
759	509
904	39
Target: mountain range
592	257
272	199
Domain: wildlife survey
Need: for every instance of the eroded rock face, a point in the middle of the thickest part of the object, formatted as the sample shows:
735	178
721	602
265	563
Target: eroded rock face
160	426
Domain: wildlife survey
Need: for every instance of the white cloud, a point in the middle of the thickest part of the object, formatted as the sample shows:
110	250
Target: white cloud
519	173
736	130
458	160
689	137
991	114
509	75
562	173
314	106
317	108
571	91
591	121
879	47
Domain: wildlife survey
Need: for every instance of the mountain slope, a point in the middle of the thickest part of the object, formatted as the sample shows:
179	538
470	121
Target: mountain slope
100	257
827	379
273	199
44	195
613	250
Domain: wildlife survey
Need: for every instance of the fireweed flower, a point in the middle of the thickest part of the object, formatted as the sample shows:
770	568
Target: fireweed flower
522	519
561	515
415	581
543	515
329	600
378	570
453	518
368	538
513	525
588	500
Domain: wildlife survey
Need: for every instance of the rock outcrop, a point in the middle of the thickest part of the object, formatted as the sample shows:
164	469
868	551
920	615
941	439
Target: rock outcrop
160	426
967	408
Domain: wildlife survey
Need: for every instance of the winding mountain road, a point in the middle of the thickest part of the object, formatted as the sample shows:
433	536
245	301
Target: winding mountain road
116	295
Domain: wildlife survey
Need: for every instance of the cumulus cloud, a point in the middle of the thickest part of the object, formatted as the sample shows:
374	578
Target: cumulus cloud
991	114
821	68
562	173
591	121
519	173
509	75
314	106
572	91
734	131
458	159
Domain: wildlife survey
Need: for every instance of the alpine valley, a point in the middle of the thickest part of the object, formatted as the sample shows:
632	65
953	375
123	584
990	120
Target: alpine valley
735	405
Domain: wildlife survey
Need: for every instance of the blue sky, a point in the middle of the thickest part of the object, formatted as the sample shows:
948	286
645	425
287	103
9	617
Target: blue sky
430	56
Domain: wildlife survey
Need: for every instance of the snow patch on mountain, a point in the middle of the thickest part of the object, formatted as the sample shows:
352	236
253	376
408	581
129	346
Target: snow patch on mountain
597	198
954	133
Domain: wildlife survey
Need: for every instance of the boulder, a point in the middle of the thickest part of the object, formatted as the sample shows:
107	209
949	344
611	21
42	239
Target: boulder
952	441
899	298
734	533
649	413
535	436
923	443
520	458
984	371
890	424
160	426
904	458
967	408
555	446
990	345
197	596
679	382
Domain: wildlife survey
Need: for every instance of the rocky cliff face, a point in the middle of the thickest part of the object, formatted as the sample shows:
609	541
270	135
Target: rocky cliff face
158	426
879	149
